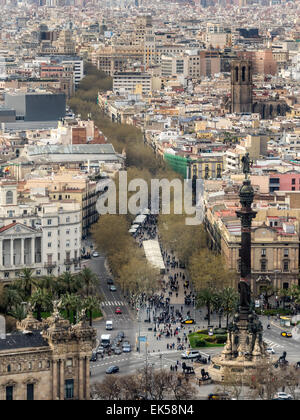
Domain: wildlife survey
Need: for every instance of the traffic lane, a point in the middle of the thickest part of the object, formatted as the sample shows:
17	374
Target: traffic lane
132	364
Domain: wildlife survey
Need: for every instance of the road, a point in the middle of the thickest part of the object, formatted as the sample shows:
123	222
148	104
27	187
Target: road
158	355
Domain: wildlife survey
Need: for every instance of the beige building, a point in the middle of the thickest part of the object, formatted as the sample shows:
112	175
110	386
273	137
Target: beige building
275	245
47	361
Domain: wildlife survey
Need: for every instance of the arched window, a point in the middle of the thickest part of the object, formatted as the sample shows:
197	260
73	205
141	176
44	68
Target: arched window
9	197
243	74
236	74
249	74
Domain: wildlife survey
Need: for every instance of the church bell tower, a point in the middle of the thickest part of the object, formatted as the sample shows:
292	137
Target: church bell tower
241	86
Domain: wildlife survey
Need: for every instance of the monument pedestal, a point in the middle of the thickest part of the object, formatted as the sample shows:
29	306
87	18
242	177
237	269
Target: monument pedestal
244	349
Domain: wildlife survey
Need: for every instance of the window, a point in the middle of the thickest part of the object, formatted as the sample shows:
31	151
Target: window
286	252
49	244
30	392
68	220
49	221
8	368
9	197
69	389
285	265
263	252
9	393
49	234
263	265
293	181
29	365
69	362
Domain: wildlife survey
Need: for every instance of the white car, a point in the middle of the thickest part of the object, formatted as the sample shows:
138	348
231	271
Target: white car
283	396
270	350
190	354
95	254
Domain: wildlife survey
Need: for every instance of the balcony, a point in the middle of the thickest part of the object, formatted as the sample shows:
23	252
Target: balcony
68	262
50	264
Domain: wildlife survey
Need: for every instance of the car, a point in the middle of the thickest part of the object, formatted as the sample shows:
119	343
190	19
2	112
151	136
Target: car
112	369
100	350
270	350
94	357
118	350
286	334
188	321
283	396
126	343
118	310
113	288
219	396
109	281
127	349
121	334
190	354
95	254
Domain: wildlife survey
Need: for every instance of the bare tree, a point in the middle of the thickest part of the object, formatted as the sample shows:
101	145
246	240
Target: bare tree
108	389
232	384
265	381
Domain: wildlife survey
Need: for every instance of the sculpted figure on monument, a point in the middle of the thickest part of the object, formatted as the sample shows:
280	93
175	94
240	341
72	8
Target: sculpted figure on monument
245	294
246	164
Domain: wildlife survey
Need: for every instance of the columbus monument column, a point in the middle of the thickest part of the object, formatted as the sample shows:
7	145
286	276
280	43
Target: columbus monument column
244	348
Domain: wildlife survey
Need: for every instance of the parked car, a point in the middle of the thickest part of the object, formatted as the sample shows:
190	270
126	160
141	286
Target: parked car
270	350
95	254
283	396
118	310
190	354
112	369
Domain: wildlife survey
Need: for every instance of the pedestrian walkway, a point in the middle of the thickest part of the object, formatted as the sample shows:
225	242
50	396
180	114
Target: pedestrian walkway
113	303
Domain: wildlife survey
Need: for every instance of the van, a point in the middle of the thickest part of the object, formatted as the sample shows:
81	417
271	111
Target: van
190	354
109	325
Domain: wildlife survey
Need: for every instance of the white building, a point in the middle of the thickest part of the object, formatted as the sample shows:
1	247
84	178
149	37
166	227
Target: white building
132	82
38	234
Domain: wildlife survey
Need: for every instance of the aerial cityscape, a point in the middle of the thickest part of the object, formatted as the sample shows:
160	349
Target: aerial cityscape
150	202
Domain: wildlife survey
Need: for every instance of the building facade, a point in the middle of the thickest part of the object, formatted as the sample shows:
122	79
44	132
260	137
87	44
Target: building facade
46	361
42	235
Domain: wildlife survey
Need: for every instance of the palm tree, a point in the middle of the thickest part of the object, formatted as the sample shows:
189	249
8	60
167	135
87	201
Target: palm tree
72	302
70	283
283	294
206	297
19	312
41	300
230	299
26	282
268	291
90	304
218	304
89	280
11	298
47	283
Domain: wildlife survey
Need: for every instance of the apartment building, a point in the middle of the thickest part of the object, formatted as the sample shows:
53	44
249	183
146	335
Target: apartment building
38	234
132	82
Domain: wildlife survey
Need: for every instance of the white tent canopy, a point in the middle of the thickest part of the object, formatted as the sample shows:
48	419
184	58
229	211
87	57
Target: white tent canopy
132	230
153	254
140	219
